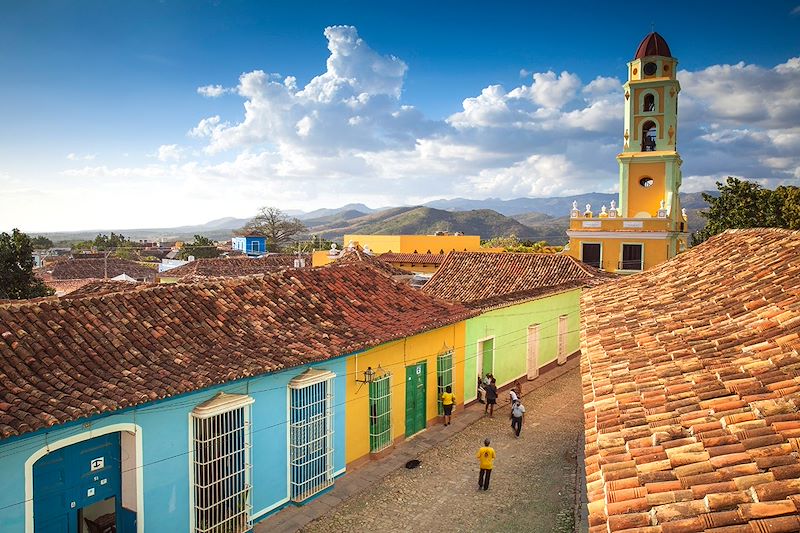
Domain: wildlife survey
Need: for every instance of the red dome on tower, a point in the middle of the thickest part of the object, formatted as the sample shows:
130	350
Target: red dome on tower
653	45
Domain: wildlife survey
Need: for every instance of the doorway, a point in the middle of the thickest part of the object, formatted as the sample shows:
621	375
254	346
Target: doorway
533	351
416	387
485	357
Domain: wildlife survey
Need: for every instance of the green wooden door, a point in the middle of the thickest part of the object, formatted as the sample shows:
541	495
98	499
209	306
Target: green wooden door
416	377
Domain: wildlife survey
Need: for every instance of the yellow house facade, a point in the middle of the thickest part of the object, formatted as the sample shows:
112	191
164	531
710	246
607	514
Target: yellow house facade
647	225
393	390
405	244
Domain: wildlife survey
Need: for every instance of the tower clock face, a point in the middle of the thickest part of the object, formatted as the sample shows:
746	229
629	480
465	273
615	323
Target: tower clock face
650	69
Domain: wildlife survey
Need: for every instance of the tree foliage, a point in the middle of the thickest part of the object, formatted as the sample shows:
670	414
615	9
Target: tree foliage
278	227
17	280
201	248
512	243
105	242
745	204
40	242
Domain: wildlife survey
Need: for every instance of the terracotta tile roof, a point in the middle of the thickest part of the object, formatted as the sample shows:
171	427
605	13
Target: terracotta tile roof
691	379
482	279
105	286
415	259
66	359
95	268
356	255
234	266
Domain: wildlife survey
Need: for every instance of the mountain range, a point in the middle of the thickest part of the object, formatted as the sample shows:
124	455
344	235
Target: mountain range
527	218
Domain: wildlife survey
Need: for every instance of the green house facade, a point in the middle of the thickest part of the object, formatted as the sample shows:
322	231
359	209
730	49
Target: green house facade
529	305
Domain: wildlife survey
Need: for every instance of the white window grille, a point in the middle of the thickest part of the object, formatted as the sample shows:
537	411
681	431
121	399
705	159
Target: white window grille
380	413
311	433
562	339
444	377
221	465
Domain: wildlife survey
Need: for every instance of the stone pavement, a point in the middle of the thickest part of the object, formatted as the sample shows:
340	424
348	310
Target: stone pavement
350	503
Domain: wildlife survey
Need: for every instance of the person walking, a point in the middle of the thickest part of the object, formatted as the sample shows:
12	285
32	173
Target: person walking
448	401
486	457
517	416
491	397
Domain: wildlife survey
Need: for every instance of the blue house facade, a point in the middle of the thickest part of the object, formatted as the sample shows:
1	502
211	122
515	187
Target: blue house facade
253	245
146	464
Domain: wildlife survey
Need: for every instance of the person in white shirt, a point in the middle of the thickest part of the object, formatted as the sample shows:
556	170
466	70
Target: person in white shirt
517	416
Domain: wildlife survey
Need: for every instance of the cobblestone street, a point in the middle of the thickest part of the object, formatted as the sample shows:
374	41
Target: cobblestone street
532	487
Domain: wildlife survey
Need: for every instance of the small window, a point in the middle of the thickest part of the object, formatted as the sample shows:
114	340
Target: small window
646	182
590	254
631	257
444	376
380	413
650	69
649	103
221	464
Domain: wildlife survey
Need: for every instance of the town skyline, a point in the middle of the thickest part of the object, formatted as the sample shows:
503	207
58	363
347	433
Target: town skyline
191	111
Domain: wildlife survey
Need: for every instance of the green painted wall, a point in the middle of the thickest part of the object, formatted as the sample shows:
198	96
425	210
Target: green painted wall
508	329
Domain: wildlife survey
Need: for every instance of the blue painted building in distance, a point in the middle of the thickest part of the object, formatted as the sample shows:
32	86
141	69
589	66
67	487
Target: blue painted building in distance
252	245
190	407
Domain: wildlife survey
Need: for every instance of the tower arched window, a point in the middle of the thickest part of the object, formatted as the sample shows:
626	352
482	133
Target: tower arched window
649	102
649	132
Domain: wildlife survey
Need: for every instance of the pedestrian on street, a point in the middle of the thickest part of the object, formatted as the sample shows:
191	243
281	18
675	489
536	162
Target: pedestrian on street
491	397
486	457
448	401
517	416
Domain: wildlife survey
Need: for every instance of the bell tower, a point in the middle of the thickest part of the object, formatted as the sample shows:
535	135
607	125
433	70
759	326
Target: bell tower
647	226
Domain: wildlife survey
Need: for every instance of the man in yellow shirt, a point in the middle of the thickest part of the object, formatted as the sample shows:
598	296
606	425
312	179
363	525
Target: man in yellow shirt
486	457
448	400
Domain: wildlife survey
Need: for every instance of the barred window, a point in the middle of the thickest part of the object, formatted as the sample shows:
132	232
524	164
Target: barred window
221	465
444	377
380	413
311	433
562	339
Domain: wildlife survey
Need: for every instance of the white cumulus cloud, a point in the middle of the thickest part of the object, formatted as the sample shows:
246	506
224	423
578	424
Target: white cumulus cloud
212	91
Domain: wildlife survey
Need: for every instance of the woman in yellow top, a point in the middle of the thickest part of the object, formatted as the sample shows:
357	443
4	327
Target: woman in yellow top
448	401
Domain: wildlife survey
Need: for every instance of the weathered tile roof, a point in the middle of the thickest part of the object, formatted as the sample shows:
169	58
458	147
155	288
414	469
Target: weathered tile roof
415	259
99	287
96	268
691	380
66	359
485	279
234	266
356	255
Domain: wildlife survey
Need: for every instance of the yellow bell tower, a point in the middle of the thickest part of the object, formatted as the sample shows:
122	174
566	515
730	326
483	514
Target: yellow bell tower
647	226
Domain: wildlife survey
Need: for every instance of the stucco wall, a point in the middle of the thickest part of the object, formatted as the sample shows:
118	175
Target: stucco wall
509	328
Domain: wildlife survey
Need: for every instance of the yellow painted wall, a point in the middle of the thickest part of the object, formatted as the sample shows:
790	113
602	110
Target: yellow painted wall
402	244
416	268
655	251
320	258
395	357
645	198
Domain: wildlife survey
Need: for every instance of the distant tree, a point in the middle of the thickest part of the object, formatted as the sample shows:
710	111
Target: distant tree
278	227
201	248
105	242
745	204
512	244
41	242
17	280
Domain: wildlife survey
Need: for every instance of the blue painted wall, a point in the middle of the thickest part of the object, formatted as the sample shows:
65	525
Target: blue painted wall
245	244
165	446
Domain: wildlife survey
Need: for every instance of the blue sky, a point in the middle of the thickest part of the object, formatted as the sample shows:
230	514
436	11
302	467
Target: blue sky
102	113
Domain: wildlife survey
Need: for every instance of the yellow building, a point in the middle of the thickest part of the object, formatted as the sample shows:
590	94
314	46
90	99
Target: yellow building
405	244
647	226
393	390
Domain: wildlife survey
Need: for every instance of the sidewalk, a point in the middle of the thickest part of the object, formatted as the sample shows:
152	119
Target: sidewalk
293	518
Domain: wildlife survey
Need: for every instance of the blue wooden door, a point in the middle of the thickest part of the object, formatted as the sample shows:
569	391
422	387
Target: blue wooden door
74	477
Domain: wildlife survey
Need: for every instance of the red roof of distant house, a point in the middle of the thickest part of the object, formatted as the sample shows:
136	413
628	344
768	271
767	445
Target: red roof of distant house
483	279
652	45
691	382
234	266
98	268
66	359
414	259
357	255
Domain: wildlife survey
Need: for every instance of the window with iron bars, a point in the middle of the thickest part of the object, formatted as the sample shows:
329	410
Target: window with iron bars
311	433
380	413
221	465
444	377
